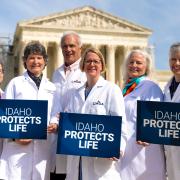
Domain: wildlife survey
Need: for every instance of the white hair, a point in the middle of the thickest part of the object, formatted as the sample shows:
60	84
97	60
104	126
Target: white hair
73	33
175	47
149	62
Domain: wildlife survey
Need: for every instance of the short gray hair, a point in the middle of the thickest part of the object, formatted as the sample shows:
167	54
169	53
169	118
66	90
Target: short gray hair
73	33
175	47
148	59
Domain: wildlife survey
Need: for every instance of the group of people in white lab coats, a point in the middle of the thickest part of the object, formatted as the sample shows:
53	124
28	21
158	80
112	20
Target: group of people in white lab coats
77	84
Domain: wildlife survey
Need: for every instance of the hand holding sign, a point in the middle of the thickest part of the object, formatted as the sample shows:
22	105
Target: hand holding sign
23	141
143	143
52	128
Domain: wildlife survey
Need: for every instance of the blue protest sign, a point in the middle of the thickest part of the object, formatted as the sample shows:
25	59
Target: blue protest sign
89	135
158	122
23	119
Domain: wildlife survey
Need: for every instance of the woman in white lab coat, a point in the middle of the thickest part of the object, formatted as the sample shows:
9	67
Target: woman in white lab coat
172	94
110	102
139	162
27	159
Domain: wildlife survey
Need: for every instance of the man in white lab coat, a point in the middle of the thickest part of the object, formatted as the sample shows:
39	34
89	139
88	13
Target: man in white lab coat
172	94
66	77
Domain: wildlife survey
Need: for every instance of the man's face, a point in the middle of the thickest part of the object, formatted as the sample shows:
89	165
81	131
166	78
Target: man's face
70	49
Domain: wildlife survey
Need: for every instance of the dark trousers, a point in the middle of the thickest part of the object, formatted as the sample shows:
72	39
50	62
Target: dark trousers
55	176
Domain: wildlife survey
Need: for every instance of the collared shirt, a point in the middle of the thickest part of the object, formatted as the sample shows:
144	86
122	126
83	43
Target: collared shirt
37	80
68	69
173	87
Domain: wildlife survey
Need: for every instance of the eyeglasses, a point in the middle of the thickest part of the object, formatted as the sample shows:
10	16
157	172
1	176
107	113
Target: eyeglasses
175	59
96	62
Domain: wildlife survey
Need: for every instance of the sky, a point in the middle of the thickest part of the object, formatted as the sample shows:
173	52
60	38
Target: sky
161	16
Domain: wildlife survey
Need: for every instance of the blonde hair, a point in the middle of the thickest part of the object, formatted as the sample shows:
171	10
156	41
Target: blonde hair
97	52
149	63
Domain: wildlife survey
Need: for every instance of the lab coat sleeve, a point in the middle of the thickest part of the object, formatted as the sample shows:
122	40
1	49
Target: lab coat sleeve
56	108
117	108
10	90
57	104
154	92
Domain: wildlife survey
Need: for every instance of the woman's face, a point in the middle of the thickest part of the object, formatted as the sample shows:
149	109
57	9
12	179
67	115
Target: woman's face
136	66
174	63
92	65
35	64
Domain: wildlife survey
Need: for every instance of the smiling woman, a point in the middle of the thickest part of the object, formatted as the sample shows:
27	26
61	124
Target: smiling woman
35	64
100	97
140	162
35	58
29	158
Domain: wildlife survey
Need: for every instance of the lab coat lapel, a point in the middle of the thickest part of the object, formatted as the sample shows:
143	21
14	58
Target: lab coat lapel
93	93
176	97
167	91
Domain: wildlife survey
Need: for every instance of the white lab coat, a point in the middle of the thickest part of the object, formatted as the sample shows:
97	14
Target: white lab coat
111	97
1	140
172	152
141	163
32	161
75	79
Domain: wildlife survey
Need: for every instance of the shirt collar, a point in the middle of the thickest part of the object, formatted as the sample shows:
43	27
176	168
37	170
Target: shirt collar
73	66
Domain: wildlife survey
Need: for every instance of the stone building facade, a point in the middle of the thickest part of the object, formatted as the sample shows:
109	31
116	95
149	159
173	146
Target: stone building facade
112	35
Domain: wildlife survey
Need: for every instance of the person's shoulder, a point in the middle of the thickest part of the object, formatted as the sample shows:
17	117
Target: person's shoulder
149	84
111	85
15	82
149	87
17	79
50	85
58	70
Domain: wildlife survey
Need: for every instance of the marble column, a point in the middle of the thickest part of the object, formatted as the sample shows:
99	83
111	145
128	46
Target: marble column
45	44
97	46
59	57
21	68
110	62
118	66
